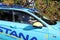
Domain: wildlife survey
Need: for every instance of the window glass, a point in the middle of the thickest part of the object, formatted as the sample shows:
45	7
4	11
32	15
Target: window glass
23	17
19	17
6	15
48	21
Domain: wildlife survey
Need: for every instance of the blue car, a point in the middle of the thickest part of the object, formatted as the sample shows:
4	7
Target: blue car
19	23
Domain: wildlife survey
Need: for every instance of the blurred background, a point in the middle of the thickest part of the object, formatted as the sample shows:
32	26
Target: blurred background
48	8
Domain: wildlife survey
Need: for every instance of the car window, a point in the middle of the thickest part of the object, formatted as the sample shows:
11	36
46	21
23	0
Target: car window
6	15
18	17
48	21
23	17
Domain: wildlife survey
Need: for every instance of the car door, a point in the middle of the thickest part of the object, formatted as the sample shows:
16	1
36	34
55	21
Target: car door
18	25
34	32
11	26
6	21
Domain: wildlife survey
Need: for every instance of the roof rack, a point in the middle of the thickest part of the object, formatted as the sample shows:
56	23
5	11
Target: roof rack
17	6
10	6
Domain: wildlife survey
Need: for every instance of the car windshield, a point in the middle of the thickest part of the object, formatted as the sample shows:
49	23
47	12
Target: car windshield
50	22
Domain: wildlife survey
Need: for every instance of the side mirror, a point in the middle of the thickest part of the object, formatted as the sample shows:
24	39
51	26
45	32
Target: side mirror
37	24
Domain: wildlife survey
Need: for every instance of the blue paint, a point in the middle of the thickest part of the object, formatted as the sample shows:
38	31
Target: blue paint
25	38
1	30
34	38
14	33
7	30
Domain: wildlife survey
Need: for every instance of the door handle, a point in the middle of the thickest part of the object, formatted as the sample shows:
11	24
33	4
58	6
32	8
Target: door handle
13	27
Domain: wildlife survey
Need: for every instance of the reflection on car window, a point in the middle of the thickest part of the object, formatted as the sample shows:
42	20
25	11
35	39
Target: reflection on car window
6	15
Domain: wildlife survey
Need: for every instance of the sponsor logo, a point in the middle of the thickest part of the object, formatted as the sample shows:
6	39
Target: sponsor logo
14	33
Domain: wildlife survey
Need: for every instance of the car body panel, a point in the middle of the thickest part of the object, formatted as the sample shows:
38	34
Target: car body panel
21	31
